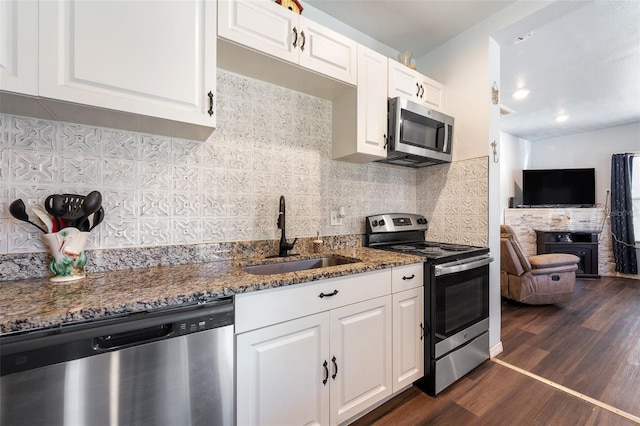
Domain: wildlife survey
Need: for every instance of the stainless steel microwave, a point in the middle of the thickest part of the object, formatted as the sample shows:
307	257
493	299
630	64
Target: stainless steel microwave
418	136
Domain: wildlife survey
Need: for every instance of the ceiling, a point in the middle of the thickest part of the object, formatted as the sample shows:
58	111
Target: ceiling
582	60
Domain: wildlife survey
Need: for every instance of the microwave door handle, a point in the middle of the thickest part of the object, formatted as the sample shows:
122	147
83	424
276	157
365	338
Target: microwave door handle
445	146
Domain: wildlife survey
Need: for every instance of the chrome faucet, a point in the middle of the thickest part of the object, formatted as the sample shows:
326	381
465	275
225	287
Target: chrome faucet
284	245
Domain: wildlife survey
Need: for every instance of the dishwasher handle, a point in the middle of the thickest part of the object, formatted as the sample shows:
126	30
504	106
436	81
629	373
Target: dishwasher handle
40	348
134	337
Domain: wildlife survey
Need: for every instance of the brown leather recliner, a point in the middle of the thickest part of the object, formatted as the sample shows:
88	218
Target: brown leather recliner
537	280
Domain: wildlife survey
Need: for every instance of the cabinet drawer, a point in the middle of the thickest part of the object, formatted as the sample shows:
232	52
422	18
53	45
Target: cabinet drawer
266	307
406	277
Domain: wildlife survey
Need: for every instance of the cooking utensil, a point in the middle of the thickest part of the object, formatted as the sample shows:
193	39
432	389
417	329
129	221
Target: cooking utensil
44	217
58	206
91	204
18	210
48	205
97	218
72	208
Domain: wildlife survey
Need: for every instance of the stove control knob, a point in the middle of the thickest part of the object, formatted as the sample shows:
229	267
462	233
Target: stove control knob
381	223
374	223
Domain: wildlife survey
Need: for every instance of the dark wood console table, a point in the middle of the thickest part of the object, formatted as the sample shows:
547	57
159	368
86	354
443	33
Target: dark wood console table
583	244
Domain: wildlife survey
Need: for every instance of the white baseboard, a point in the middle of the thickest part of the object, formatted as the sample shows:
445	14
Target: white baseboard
496	349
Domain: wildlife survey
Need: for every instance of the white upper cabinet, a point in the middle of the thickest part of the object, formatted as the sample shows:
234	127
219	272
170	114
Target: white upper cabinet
19	46
359	134
260	26
372	102
266	27
154	59
327	52
410	84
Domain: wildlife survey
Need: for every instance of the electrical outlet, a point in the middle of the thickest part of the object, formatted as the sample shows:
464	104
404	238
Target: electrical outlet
336	220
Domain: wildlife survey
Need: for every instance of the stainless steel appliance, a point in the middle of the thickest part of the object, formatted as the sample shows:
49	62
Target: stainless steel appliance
418	136
164	367
456	296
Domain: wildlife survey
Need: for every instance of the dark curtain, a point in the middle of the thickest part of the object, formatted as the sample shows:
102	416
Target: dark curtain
624	241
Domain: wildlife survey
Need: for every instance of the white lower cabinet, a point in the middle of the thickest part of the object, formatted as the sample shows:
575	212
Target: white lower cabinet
320	369
325	352
408	337
360	357
280	373
408	325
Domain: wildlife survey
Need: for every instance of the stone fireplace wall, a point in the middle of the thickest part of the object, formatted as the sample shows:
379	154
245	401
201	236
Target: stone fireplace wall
525	221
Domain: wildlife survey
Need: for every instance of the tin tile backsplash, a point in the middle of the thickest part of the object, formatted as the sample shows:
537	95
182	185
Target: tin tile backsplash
159	191
455	199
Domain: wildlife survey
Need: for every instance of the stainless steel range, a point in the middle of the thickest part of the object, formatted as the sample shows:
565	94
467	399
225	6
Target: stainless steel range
456	301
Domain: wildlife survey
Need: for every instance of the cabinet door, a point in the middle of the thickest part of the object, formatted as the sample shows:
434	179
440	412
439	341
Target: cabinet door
360	357
372	103
432	93
260	25
327	52
19	51
403	81
149	58
408	337
280	373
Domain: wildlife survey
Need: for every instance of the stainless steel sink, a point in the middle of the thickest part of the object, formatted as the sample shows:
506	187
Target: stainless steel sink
299	265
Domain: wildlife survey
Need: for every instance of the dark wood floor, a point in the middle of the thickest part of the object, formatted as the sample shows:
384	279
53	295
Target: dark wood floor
590	345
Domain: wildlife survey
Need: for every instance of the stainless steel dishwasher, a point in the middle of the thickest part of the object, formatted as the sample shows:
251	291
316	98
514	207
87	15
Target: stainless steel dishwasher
170	367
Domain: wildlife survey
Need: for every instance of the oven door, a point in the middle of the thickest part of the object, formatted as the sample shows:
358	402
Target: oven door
459	302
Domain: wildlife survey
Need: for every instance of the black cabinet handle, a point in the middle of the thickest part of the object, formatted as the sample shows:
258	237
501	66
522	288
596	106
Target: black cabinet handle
304	40
210	95
326	372
421	91
335	368
421	331
418	87
409	278
321	295
295	40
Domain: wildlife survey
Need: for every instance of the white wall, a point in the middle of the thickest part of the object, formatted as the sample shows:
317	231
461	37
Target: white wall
514	157
329	21
589	149
468	65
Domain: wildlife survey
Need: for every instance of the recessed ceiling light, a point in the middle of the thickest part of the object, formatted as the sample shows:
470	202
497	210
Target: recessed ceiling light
520	93
562	118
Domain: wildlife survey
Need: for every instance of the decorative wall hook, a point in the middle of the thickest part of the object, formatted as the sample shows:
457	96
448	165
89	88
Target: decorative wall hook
495	94
494	146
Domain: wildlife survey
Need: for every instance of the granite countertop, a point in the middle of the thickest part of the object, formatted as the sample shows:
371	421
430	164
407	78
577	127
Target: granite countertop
38	303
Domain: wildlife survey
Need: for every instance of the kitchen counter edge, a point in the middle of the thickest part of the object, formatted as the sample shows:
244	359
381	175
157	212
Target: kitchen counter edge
37	304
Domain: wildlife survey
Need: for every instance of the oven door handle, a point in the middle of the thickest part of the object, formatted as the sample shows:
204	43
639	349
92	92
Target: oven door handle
462	265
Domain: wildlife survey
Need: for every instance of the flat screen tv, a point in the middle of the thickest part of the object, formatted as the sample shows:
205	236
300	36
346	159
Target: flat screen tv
559	187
